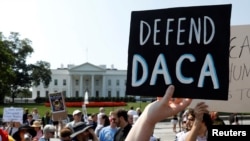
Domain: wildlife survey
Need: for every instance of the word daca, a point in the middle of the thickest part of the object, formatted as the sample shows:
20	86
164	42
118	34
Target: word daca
216	132
194	28
161	68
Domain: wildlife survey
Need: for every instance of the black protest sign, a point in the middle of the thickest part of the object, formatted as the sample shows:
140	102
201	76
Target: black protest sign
186	46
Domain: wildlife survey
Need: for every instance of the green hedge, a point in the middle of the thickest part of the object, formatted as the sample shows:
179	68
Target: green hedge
79	99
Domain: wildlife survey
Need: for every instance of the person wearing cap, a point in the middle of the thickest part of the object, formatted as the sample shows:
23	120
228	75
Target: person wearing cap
77	117
48	132
83	132
39	133
24	133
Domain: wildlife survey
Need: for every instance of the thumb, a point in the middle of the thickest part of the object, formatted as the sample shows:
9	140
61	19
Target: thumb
168	94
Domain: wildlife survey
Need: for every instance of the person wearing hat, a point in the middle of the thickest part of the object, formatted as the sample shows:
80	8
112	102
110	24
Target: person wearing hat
48	132
24	133
83	132
77	117
39	133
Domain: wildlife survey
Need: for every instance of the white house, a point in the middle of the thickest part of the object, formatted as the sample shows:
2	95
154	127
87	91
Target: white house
74	81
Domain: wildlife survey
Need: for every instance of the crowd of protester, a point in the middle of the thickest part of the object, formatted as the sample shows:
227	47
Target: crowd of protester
118	125
100	126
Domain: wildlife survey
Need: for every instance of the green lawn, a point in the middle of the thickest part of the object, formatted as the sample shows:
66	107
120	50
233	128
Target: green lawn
42	109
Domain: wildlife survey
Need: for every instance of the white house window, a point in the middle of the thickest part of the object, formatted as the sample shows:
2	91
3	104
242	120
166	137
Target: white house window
109	82
77	93
109	94
117	82
97	82
38	93
117	93
55	82
77	82
64	82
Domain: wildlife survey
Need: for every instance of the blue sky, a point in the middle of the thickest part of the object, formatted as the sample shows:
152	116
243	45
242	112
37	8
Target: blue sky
96	31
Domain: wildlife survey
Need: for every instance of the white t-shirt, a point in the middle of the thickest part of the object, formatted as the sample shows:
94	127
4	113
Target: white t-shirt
184	136
132	112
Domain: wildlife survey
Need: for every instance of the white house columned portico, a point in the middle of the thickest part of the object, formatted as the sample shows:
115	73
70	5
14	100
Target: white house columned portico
74	81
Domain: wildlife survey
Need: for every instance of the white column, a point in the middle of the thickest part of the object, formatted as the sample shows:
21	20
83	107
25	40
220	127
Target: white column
81	86
92	85
103	86
70	86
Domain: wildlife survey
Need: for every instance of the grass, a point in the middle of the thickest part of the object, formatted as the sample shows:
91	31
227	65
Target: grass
42	108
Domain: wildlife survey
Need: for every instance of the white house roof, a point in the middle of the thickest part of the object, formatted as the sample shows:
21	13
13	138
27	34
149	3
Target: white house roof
87	67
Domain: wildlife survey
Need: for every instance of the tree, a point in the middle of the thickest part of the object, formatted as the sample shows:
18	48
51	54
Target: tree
20	75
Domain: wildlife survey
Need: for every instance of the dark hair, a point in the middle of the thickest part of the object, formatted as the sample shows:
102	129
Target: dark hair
122	113
65	132
106	120
207	120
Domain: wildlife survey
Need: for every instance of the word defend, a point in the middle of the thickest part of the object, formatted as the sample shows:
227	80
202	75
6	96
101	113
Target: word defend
187	47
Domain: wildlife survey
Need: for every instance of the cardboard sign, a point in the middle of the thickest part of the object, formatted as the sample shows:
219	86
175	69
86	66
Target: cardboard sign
57	105
187	47
239	74
13	114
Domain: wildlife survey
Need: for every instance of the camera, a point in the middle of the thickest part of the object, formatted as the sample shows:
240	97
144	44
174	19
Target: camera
27	137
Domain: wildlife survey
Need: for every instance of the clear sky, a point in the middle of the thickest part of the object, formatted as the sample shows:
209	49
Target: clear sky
96	31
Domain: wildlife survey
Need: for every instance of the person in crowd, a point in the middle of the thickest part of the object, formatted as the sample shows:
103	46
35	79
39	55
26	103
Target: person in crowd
202	123
77	117
25	115
94	120
183	130
24	133
130	119
108	133
48	132
29	120
65	133
174	122
46	119
4	136
180	120
83	132
103	123
216	118
99	115
39	133
188	121
13	127
121	120
138	110
131	111
233	119
35	114
164	108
